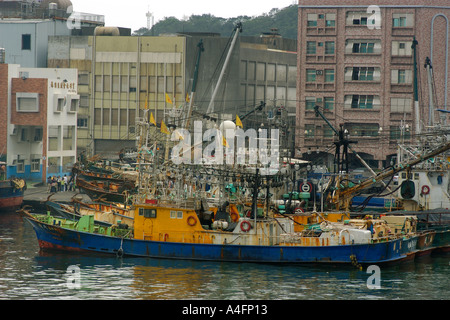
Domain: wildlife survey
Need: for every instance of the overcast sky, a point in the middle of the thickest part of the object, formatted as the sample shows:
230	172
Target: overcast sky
132	13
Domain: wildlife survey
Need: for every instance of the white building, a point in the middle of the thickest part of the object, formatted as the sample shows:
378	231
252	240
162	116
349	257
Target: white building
42	108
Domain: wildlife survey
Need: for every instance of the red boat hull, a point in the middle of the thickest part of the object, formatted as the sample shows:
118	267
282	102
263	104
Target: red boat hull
11	203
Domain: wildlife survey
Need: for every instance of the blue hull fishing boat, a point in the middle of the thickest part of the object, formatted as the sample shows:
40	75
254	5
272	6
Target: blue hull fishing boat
174	233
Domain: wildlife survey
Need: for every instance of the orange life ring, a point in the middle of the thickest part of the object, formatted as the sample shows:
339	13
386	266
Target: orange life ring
191	221
245	226
234	216
425	190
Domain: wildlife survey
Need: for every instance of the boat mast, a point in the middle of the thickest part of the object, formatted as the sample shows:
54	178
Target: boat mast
194	83
237	30
416	89
429	68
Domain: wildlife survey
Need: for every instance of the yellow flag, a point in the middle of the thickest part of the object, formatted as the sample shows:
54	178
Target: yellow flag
152	119
146	103
238	122
187	98
225	142
168	100
164	128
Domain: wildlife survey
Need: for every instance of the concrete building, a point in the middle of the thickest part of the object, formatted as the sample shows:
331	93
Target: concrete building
120	75
38	109
26	25
356	62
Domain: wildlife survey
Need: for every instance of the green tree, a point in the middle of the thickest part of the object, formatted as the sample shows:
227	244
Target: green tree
285	20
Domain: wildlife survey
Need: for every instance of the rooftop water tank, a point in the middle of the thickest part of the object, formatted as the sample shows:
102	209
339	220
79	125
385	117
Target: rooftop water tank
106	31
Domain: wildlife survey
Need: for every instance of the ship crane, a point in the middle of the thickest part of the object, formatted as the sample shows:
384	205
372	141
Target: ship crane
344	194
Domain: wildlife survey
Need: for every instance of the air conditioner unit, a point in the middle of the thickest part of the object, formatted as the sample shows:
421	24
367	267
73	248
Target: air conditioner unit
12	130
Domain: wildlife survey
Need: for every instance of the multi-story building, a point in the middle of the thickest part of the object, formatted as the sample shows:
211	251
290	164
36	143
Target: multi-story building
38	117
356	61
26	25
119	76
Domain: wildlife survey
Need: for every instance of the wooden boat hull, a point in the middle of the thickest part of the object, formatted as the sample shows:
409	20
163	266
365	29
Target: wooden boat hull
95	192
58	238
10	196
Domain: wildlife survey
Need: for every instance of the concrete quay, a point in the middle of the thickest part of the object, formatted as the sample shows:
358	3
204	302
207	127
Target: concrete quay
37	194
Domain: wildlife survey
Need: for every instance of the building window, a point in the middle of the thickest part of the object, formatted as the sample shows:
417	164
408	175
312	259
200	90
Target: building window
401	48
38	134
83	79
310	103
20	166
402	20
133	84
98	84
363	73
403	105
27	102
312	20
329	75
362	102
35	165
330	20
357	18
363	47
397	133
329	47
74	104
310	75
26	42
328	103
328	132
363	129
311	47
309	130
24	135
82	123
401	76
59	106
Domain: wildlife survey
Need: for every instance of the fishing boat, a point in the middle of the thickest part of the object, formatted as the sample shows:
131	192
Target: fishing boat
104	172
106	189
162	231
190	230
103	213
11	192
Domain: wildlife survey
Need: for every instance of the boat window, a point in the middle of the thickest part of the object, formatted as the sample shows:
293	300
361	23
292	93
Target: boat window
147	213
176	214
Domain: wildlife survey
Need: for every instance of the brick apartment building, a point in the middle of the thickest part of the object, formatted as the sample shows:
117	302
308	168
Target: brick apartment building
38	117
356	61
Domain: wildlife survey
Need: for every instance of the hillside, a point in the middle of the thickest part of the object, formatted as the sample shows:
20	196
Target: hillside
285	20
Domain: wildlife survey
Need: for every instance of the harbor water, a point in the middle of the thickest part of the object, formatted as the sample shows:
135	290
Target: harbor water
26	273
